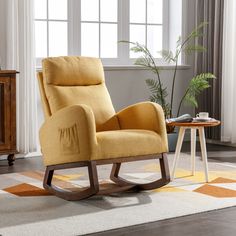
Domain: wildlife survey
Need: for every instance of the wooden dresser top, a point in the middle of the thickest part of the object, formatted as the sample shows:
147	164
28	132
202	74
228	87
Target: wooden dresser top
8	72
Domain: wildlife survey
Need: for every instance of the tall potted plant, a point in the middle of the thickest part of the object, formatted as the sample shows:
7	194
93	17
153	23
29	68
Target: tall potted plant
159	93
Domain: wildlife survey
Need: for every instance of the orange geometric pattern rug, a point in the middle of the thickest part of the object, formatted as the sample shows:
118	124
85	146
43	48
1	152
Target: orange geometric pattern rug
219	187
27	209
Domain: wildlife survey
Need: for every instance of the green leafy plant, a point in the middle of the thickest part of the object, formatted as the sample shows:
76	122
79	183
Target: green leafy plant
159	92
196	85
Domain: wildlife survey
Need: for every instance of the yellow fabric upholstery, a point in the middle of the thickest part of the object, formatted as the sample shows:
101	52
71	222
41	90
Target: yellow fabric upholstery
67	83
46	108
81	123
144	115
125	143
68	135
80	71
95	96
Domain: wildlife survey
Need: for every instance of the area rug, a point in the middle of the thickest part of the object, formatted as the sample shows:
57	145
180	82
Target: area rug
27	209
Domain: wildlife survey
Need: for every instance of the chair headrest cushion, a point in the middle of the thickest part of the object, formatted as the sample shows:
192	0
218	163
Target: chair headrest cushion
73	71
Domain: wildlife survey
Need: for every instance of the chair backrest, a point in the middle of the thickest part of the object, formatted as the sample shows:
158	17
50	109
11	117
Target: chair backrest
71	80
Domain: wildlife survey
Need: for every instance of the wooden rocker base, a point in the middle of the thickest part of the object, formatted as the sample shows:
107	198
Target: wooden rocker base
119	185
148	186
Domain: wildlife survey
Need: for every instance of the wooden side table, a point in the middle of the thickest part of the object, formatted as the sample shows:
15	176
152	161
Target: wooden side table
193	126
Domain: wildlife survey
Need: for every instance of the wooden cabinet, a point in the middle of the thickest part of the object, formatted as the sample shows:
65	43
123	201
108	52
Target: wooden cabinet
8	114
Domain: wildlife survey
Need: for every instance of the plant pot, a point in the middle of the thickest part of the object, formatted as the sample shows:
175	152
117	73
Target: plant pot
172	141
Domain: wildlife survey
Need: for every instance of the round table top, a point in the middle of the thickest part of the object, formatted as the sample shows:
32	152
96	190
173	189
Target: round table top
210	123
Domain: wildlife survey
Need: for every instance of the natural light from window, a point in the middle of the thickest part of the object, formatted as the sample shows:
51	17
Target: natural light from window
146	24
94	27
51	28
99	28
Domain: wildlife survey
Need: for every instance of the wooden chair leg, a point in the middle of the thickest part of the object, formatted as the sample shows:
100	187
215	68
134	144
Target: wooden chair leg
165	179
75	195
165	172
11	158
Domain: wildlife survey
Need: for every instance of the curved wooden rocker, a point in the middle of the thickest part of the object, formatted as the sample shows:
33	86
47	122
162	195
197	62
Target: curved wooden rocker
148	186
72	195
120	185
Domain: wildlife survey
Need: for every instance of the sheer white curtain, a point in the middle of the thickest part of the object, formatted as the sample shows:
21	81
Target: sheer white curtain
228	132
20	56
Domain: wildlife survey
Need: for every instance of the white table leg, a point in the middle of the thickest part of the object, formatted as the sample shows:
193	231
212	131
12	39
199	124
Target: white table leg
193	149
203	150
178	149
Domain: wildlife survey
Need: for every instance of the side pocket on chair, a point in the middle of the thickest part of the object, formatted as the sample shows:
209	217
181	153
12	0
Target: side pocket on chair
69	140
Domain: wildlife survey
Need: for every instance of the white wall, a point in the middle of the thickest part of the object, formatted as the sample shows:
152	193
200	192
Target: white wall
128	86
2	33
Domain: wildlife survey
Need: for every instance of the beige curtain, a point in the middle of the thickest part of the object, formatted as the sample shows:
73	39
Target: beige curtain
211	11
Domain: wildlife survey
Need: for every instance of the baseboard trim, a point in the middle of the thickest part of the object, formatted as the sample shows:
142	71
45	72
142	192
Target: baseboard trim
218	142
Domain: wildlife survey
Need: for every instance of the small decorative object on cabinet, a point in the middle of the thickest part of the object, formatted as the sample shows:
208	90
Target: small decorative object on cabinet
8	114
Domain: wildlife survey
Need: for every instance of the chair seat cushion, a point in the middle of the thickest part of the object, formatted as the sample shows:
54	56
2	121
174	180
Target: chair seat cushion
127	143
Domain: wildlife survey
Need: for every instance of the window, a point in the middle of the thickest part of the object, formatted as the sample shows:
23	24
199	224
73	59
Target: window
99	26
146	20
51	28
94	27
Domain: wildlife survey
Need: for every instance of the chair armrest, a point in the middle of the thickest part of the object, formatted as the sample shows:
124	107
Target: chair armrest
69	135
144	115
